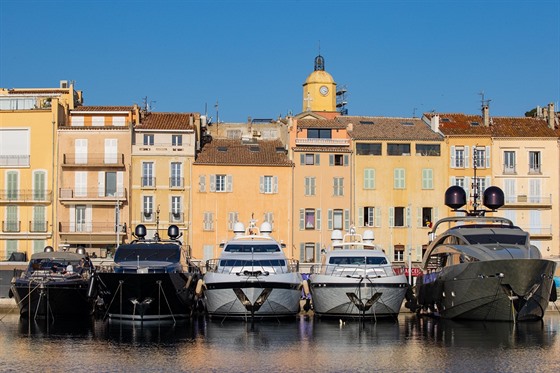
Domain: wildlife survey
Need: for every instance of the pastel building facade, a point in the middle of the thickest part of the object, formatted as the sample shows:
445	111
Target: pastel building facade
239	180
163	151
94	177
29	118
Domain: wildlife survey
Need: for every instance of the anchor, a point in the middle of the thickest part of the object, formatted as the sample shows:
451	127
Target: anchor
252	307
360	305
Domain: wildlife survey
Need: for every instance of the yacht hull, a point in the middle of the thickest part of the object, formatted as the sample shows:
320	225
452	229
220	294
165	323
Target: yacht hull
500	290
229	295
335	296
52	298
147	296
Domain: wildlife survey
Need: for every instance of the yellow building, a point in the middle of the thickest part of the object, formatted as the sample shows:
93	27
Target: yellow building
94	174
400	176
163	152
29	165
237	180
526	168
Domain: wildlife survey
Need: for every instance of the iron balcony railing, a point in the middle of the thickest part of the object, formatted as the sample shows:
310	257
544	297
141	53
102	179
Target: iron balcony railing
176	182
90	227
11	226
38	226
176	217
25	195
14	160
91	193
93	160
148	182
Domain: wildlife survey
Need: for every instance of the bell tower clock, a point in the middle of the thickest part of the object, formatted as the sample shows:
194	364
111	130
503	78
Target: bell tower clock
319	89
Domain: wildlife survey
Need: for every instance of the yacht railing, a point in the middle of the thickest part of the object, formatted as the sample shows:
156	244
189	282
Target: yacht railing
252	267
374	271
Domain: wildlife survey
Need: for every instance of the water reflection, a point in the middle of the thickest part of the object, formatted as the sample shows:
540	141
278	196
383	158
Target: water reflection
487	335
408	344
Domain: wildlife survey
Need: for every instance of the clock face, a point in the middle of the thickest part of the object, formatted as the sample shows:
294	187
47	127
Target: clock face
324	90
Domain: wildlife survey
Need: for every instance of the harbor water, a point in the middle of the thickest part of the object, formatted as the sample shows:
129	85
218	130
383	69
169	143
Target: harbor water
407	344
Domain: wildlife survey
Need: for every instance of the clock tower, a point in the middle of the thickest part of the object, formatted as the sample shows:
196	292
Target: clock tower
319	89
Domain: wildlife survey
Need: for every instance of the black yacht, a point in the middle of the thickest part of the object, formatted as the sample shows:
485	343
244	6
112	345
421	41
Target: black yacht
55	283
149	280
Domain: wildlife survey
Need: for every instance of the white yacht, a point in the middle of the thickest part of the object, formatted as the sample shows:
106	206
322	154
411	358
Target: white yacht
252	277
357	280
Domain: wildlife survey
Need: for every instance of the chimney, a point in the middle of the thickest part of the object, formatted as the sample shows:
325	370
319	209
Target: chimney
486	115
551	115
434	123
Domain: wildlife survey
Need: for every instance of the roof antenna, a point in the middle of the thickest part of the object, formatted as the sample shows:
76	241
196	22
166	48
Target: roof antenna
483	102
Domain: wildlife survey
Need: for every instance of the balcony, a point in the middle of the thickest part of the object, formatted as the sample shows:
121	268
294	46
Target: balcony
15	160
322	142
539	232
525	201
176	183
98	160
25	196
11	226
148	182
509	169
38	226
90	228
91	195
147	217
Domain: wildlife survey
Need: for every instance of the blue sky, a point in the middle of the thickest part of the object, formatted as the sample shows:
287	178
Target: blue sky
395	58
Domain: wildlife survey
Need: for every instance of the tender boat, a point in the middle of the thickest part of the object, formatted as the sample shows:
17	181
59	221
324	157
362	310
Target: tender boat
149	281
483	268
252	277
357	280
55	284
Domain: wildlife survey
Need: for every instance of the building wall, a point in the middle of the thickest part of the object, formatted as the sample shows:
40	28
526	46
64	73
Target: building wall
164	187
213	212
36	143
88	200
531	193
417	196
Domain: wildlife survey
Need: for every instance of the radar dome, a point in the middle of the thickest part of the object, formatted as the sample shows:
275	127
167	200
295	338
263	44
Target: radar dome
140	231
368	235
238	228
336	235
455	197
266	227
493	198
173	231
48	249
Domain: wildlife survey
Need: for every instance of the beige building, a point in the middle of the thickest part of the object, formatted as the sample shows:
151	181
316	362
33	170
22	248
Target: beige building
29	165
519	155
163	151
237	180
94	173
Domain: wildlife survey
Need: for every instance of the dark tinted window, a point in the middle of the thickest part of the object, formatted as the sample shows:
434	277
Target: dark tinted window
368	149
357	260
153	251
248	248
252	263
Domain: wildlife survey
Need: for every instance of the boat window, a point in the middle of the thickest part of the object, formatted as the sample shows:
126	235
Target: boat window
510	239
153	252
252	263
341	260
248	248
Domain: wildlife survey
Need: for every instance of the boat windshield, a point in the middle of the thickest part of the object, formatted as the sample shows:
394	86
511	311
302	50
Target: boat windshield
249	248
510	239
152	252
357	260
252	263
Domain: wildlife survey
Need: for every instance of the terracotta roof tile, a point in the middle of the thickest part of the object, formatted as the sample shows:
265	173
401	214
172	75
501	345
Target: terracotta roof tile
239	153
473	125
319	123
104	108
385	128
167	121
